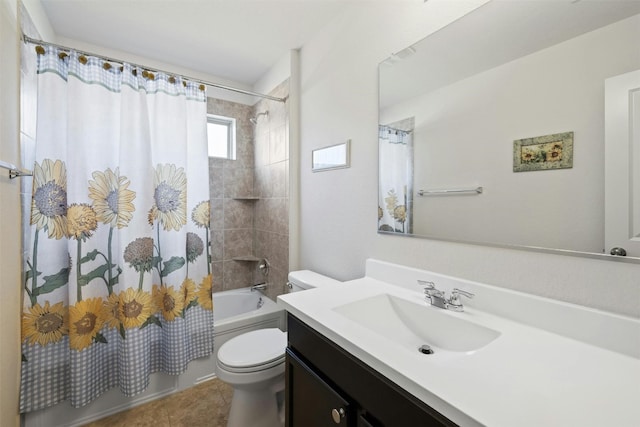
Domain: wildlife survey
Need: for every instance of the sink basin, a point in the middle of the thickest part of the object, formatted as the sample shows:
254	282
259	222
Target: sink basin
413	325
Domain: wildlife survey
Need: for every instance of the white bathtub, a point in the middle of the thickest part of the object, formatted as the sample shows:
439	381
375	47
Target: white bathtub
240	310
232	308
234	312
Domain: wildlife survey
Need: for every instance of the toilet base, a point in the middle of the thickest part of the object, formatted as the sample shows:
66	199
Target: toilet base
256	408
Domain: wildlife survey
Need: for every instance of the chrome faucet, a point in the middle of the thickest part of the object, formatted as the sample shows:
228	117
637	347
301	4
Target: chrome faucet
437	298
259	287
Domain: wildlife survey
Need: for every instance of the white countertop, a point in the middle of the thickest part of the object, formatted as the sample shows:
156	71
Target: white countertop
525	377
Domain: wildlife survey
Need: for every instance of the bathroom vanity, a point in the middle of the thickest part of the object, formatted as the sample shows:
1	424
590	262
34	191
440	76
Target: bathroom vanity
326	384
508	359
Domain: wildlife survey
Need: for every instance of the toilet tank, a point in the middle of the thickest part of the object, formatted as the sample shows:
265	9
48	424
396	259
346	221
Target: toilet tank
307	279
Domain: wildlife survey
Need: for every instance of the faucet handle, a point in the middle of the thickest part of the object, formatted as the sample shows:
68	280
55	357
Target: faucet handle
455	292
454	301
430	289
264	267
426	284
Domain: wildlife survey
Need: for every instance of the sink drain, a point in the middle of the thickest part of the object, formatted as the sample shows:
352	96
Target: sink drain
425	349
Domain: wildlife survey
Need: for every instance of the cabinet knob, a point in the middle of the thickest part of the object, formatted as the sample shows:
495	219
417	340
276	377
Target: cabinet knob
337	415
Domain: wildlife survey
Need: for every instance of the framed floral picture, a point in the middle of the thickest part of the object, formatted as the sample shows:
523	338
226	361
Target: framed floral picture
543	152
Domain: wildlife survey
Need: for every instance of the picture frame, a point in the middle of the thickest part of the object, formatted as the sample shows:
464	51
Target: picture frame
543	152
337	156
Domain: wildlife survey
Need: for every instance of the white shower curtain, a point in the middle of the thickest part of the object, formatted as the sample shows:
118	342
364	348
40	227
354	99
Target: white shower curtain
395	187
118	282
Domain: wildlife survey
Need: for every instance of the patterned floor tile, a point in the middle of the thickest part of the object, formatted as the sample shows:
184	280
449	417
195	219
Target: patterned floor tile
204	405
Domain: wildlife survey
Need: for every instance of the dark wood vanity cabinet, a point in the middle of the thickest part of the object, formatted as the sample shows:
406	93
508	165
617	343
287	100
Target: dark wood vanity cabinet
315	402
327	386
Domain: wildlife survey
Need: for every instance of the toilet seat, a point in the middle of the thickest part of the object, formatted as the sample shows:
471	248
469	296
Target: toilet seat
250	369
253	351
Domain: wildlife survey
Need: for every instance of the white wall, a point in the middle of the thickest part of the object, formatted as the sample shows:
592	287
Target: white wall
279	72
9	216
339	89
464	136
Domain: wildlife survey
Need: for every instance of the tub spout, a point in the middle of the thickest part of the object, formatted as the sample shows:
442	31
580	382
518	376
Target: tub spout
259	287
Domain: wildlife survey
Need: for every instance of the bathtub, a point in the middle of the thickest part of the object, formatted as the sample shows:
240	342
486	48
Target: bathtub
234	308
234	312
238	311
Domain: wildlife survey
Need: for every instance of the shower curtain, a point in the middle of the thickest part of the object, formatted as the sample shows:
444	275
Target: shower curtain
395	200
117	284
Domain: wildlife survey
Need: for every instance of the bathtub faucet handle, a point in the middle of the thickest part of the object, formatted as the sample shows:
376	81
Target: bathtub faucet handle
264	267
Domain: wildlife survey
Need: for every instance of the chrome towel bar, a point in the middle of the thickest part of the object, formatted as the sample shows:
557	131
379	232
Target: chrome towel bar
477	190
14	171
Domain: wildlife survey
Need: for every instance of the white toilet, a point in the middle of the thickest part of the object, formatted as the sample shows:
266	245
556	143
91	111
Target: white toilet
253	363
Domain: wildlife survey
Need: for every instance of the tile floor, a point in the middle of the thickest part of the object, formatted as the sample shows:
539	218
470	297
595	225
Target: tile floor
205	405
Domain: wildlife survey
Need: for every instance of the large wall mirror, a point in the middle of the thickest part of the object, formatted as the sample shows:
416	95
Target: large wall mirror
501	128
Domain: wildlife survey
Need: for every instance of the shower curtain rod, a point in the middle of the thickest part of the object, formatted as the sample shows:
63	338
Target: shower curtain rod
28	39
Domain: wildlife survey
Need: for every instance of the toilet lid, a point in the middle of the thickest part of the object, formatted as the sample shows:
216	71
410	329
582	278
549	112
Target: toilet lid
255	348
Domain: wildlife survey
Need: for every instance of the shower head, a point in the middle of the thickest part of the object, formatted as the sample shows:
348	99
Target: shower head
254	120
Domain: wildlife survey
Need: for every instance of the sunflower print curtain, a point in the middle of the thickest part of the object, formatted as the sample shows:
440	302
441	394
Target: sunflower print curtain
118	282
395	190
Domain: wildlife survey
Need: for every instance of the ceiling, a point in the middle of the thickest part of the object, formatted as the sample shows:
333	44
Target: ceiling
237	40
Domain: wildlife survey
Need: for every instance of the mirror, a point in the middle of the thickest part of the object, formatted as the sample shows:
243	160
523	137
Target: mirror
492	130
332	157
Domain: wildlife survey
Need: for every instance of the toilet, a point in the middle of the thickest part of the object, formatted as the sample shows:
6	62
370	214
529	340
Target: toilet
253	363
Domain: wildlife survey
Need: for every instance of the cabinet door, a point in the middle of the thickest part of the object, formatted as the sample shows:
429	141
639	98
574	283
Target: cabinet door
364	421
310	401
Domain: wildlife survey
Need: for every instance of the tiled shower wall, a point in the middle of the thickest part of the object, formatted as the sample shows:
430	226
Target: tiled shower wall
259	227
271	220
232	219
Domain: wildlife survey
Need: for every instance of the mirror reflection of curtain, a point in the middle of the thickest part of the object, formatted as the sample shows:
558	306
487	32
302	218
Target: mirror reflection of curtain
395	198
